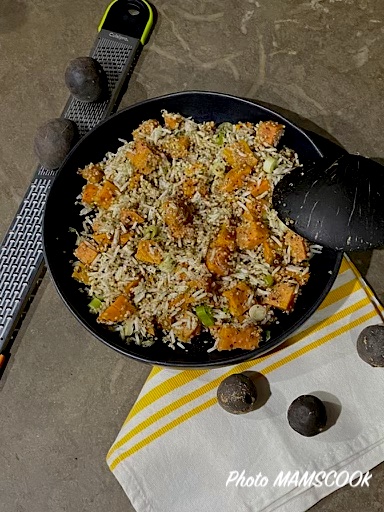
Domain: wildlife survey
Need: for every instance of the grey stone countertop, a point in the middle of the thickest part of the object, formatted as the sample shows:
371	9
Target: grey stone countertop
64	395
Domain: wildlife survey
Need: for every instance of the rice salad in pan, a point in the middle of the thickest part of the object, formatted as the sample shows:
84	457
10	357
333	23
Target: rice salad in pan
180	238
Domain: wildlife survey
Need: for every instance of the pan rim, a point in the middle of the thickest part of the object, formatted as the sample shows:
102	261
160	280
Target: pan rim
232	359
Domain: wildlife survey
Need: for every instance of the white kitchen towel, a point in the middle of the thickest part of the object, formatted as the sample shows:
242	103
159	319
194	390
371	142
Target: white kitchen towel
179	451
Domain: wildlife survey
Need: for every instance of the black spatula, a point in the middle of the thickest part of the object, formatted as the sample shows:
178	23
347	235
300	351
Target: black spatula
338	204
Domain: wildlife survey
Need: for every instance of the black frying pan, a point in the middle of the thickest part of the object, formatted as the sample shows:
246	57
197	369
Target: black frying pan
62	213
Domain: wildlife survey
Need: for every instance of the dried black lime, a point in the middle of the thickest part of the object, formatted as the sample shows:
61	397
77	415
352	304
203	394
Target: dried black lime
237	394
307	415
86	79
53	141
370	345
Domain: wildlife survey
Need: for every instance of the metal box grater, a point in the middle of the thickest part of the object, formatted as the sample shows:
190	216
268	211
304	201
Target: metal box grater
21	252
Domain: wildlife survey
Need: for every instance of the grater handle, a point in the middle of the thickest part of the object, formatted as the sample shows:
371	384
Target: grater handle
21	252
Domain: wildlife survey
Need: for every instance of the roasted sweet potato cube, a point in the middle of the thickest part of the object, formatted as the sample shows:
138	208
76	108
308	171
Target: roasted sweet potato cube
178	302
225	336
165	322
142	158
257	189
118	311
269	132
103	240
268	252
234	178
226	237
248	338
93	173
134	181
172	121
176	217
85	253
190	187
131	285
150	328
256	208
128	217
176	146
218	260
124	238
149	252
230	338
299	277
237	299
251	233
186	328
182	301
89	194
282	296
202	283
106	194
229	156
175	212
145	129
176	307
193	185
299	250
80	273
194	169
239	154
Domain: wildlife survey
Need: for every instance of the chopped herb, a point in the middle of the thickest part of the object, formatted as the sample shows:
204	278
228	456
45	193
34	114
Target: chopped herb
225	127
270	163
268	279
151	232
167	265
204	314
95	303
219	140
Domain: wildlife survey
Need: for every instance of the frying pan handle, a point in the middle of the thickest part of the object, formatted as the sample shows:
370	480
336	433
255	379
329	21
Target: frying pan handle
21	253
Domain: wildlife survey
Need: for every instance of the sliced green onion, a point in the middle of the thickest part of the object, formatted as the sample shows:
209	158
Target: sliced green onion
95	303
225	127
204	315
167	265
268	279
257	312
218	169
128	328
270	163
219	140
151	231
267	335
